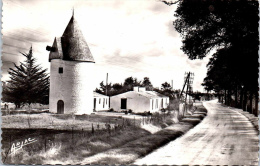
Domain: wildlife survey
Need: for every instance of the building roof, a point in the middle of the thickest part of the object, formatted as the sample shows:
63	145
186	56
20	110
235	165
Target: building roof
151	94
95	94
72	46
147	94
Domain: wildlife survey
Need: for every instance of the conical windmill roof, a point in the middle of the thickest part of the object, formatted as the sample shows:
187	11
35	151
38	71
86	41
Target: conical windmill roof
74	45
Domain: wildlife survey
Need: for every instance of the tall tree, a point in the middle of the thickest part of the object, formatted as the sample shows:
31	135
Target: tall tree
230	27
104	87
166	86
29	83
147	83
117	87
209	24
130	82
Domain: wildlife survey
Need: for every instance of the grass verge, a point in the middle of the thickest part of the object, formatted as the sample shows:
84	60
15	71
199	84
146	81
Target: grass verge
129	152
65	149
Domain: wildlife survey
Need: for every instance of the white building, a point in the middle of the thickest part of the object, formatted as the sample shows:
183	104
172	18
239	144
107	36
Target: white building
139	100
71	87
101	102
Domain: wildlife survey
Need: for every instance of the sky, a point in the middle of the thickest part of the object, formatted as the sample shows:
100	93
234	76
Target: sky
126	38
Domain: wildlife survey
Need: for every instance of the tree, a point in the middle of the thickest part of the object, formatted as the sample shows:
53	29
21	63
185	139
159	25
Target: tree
230	27
28	83
147	83
5	94
104	88
130	82
205	25
221	75
166	86
117	87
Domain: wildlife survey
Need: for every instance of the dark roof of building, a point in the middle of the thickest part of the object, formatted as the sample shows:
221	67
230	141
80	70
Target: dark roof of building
73	44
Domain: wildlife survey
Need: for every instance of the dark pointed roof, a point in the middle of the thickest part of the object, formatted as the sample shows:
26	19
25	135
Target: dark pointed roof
74	45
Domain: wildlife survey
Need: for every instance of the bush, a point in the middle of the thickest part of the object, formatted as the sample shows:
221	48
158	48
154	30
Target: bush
111	110
163	110
130	111
173	105
143	113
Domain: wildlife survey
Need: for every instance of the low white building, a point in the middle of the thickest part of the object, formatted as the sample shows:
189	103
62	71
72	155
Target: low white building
101	102
139	100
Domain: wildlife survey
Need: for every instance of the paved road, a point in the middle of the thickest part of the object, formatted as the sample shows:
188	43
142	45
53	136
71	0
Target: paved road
224	137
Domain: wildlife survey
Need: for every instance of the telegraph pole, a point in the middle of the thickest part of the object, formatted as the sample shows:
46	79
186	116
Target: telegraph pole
188	82
106	83
106	92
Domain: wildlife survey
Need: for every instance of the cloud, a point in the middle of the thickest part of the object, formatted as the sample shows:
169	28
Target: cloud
126	38
171	30
194	63
159	7
126	60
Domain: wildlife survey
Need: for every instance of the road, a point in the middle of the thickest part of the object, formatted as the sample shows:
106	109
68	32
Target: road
224	137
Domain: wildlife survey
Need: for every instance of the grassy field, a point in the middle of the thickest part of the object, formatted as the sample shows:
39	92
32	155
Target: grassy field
60	122
70	148
122	143
82	122
138	148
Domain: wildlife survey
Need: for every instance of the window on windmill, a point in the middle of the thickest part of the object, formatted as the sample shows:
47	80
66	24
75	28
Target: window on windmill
60	69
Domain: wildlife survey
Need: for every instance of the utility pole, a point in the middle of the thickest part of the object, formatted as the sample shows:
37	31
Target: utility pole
188	82
106	92
106	83
172	84
186	79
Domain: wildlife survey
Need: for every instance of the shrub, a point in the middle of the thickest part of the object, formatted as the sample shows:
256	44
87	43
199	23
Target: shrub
130	111
111	110
163	110
173	105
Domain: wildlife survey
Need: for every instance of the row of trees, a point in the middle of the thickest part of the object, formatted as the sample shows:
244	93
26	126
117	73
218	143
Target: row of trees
130	82
230	28
117	88
29	83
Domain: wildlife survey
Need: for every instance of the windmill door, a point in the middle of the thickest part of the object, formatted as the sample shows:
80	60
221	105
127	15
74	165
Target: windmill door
60	107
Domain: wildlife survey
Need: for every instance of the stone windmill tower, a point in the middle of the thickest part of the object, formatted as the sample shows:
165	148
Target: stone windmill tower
71	73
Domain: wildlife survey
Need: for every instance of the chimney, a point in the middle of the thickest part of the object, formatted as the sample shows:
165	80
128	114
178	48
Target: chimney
136	89
142	89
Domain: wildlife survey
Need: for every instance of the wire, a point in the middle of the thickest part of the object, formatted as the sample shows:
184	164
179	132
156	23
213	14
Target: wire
4	44
19	39
9	53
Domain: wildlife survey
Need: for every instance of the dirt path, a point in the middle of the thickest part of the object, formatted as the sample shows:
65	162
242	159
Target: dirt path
224	137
